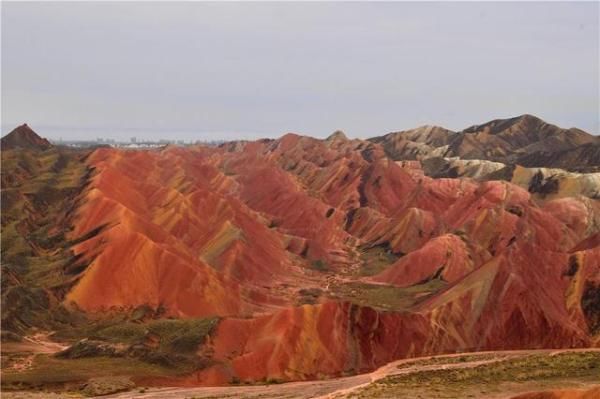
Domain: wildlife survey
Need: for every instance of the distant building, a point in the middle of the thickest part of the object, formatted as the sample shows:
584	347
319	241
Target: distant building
133	140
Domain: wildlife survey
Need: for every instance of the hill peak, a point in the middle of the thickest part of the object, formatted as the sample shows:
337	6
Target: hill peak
338	135
24	137
525	121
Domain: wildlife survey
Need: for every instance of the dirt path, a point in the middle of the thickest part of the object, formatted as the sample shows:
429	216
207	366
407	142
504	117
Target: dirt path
22	353
36	343
337	387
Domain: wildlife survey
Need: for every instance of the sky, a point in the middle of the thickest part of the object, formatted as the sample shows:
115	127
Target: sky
200	71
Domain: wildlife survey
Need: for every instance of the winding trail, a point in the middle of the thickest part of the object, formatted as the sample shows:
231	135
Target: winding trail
25	351
337	388
36	343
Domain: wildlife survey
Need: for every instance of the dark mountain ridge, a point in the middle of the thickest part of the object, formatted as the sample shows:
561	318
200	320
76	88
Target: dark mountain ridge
525	140
24	137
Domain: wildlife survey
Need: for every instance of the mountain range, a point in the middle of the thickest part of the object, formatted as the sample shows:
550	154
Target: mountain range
299	258
525	140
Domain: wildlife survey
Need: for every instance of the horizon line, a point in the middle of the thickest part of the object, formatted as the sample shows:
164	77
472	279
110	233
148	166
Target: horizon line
6	128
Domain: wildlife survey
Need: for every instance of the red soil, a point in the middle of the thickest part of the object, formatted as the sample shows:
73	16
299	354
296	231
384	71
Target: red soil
445	256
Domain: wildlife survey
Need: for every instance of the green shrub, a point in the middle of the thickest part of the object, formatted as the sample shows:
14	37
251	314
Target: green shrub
125	333
320	265
182	335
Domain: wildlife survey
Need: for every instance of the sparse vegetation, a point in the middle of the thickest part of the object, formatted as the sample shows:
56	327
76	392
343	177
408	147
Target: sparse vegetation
320	265
181	335
387	297
460	382
49	371
177	342
38	190
172	336
309	296
375	260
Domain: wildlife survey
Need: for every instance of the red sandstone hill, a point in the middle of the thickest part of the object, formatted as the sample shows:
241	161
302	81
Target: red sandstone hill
320	257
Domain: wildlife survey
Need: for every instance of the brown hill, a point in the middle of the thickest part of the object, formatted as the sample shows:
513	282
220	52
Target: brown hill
416	143
582	158
507	140
24	137
525	140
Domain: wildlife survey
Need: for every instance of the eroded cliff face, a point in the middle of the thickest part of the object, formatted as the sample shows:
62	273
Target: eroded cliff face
326	257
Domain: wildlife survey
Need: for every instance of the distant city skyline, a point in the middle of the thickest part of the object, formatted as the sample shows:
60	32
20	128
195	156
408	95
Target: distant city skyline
199	71
125	134
132	142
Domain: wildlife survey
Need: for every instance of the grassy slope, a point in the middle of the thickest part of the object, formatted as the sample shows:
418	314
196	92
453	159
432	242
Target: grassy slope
387	297
543	370
50	371
374	260
38	190
174	351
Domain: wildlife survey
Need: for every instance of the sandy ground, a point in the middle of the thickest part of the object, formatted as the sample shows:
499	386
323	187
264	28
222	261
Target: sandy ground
328	389
336	388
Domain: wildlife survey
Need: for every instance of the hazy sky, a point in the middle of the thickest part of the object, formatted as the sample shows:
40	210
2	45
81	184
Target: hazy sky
245	70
